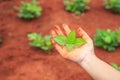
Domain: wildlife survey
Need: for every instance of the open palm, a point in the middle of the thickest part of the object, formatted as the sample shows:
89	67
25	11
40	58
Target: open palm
77	54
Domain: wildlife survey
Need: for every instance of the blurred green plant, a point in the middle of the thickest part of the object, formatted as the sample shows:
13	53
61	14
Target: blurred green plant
37	40
76	6
113	5
106	39
29	10
115	66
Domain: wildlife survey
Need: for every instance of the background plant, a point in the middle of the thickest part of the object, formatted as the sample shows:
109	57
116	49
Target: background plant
115	66
69	41
113	5
37	40
29	10
106	39
76	6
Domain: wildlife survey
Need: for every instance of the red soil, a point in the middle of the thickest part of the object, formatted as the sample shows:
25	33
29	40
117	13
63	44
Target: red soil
18	61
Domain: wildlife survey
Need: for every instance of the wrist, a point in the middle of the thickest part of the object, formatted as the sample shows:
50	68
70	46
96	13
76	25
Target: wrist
88	59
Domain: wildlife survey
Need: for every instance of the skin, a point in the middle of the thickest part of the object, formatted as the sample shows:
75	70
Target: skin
85	55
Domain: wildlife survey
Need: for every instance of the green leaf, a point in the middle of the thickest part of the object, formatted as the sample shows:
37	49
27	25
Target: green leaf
80	41
69	46
44	48
68	8
32	36
48	43
107	39
110	48
60	39
47	38
71	37
77	12
115	66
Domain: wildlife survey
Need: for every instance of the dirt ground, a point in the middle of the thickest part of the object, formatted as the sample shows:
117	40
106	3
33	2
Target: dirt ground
19	61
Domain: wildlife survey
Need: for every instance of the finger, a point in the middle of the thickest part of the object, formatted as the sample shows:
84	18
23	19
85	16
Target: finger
57	47
58	30
83	34
53	33
66	28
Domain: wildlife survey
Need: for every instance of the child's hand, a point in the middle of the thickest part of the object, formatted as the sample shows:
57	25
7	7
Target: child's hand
78	54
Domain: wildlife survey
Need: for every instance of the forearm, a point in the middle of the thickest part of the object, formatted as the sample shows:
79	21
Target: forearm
98	69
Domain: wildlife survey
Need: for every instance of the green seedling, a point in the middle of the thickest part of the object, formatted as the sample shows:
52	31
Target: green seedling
115	66
29	10
76	6
37	40
113	5
106	39
69	41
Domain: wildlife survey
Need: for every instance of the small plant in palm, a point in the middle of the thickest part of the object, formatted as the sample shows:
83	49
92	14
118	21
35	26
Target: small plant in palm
69	41
29	10
37	40
106	39
76	6
113	5
115	66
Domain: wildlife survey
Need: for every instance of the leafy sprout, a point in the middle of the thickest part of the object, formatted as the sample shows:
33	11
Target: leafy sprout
69	41
113	5
76	6
106	39
29	10
37	40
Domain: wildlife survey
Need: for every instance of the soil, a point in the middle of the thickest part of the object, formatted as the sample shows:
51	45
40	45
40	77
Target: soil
19	61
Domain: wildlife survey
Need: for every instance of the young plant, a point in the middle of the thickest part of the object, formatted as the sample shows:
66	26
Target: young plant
115	66
69	41
37	40
76	6
29	10
106	39
113	5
